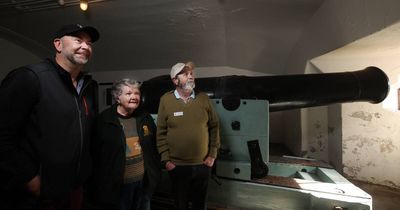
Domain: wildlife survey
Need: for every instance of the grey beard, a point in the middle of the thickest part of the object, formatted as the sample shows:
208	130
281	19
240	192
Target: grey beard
77	61
189	86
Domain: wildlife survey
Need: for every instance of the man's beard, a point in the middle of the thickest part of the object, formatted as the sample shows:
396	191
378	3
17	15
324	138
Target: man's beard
189	85
74	57
78	60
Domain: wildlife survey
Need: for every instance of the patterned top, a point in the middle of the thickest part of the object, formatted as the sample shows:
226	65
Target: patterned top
134	164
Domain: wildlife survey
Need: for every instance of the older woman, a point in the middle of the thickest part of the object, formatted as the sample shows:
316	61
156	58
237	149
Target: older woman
126	161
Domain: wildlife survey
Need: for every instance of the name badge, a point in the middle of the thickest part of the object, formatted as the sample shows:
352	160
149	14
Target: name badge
177	114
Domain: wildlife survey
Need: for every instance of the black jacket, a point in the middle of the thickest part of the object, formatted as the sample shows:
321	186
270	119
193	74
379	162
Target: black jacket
109	156
45	129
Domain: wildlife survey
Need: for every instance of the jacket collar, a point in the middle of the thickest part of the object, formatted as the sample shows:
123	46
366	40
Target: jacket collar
111	116
66	77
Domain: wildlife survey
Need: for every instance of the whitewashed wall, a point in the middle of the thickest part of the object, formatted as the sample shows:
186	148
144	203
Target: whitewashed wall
333	26
370	132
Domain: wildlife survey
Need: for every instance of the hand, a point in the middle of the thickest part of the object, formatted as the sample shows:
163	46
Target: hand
33	186
169	165
209	161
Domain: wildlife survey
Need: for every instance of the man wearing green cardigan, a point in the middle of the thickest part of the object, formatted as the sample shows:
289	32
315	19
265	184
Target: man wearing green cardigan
187	138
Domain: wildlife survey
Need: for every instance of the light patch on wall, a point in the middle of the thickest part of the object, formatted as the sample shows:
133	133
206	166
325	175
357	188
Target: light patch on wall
392	100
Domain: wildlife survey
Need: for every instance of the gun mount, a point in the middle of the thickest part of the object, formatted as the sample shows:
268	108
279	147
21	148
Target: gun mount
246	177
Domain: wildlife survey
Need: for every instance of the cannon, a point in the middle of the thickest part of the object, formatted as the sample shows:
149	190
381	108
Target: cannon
283	92
244	175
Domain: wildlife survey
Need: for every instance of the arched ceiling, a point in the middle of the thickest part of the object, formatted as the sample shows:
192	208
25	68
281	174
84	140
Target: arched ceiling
257	35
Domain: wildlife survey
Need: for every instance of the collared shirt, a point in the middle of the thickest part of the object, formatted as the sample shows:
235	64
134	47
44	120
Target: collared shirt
177	96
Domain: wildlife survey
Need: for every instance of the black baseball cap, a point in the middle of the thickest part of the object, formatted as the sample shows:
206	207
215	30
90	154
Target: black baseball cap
72	29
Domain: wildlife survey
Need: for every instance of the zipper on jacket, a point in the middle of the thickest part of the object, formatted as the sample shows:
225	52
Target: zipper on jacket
86	106
77	97
81	132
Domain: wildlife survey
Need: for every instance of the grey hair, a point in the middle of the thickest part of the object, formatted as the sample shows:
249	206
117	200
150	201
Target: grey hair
116	89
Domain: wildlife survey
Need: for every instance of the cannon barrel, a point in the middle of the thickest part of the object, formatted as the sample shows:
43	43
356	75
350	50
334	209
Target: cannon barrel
283	92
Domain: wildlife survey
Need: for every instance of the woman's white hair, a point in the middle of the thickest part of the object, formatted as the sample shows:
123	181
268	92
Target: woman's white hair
116	89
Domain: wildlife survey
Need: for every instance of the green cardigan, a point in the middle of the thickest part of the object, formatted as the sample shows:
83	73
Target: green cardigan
187	132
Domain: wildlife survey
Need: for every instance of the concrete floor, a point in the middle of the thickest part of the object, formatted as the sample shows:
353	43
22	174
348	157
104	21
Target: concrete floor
383	198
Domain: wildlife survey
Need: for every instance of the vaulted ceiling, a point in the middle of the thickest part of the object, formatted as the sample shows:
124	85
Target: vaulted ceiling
255	35
149	34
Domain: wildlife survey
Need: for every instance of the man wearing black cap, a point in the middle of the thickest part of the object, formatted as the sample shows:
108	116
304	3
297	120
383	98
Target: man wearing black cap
46	113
